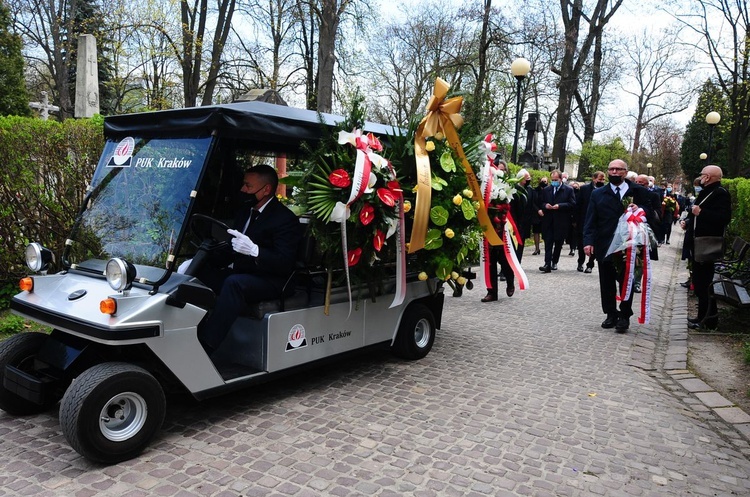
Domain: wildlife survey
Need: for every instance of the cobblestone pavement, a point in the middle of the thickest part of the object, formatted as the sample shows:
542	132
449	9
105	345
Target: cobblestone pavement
524	396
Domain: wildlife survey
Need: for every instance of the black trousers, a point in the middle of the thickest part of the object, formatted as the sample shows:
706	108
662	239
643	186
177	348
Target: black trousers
552	249
610	281
497	255
702	277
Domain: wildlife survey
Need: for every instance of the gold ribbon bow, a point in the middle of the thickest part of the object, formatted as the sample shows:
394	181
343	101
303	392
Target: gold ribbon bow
442	116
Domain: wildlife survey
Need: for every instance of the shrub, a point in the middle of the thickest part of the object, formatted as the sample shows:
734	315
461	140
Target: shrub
10	324
45	169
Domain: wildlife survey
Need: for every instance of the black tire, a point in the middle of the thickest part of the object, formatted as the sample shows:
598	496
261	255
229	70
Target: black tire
416	333
19	351
111	412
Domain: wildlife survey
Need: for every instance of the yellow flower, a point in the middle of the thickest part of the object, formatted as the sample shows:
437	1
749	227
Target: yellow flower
430	146
439	135
461	280
476	205
458	199
454	275
407	206
422	276
468	193
449	233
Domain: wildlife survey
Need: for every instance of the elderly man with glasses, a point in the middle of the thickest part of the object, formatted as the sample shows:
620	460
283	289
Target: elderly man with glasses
604	211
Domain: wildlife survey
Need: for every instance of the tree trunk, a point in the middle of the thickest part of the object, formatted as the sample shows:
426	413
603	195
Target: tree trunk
329	18
223	27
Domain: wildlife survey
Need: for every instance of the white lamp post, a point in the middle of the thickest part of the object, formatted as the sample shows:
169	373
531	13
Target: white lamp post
519	68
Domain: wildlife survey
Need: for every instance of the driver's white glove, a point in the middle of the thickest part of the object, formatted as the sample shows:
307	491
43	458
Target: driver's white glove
183	267
242	244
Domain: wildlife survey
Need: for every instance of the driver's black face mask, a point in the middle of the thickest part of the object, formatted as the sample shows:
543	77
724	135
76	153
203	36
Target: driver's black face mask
250	198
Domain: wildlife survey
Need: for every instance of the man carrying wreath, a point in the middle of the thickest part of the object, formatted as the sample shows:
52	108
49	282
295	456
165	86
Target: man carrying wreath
602	217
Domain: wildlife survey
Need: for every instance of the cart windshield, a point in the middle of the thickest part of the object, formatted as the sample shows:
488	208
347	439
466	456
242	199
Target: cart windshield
138	200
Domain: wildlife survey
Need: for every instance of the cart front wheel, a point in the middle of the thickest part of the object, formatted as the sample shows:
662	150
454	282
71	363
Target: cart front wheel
111	412
416	333
19	351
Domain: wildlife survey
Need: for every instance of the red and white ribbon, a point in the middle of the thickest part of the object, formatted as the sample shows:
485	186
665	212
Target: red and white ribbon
638	237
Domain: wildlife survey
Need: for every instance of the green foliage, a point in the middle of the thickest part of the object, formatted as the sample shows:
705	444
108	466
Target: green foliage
739	190
10	324
599	155
46	167
14	99
696	137
746	352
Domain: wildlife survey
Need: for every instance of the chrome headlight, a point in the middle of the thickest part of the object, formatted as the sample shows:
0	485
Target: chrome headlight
37	257
120	274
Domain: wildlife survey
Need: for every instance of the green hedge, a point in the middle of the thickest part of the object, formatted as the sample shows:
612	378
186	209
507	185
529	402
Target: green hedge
45	167
739	189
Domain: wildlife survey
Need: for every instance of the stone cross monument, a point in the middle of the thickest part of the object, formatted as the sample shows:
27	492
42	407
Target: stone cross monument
44	107
87	78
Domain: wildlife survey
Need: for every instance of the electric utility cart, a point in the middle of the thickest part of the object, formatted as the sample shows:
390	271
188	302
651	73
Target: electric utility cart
124	321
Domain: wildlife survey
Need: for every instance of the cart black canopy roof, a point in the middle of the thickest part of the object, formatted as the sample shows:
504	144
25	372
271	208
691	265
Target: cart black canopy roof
274	126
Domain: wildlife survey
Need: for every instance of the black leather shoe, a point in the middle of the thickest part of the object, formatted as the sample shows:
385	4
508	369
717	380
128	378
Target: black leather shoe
637	288
622	325
580	268
685	284
695	326
536	252
572	253
545	269
490	297
509	291
610	322
694	321
554	267
588	270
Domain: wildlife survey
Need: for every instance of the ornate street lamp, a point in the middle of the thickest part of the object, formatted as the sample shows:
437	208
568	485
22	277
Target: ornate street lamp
648	168
519	68
712	119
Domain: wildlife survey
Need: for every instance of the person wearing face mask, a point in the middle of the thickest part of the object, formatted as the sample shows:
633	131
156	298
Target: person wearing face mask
687	242
669	212
710	215
558	203
582	204
263	255
538	214
602	217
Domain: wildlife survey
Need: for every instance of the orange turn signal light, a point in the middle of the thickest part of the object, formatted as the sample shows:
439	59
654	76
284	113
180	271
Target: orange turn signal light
26	284
108	306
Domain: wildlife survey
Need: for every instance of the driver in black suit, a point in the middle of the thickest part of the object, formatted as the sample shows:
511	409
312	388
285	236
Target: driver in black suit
602	216
264	250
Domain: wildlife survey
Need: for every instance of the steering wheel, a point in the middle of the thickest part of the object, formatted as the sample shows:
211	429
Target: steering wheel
214	236
209	228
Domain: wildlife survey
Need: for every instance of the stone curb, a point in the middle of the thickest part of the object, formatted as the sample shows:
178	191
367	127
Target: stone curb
675	360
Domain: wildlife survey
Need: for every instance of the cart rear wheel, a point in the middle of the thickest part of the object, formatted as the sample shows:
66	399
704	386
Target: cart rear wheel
416	333
19	351
111	412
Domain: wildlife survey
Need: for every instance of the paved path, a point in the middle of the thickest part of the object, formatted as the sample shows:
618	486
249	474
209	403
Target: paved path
525	396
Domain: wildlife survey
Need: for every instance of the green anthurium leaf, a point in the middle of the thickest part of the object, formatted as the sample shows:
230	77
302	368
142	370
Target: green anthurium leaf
434	239
447	162
462	253
439	215
468	210
444	270
438	183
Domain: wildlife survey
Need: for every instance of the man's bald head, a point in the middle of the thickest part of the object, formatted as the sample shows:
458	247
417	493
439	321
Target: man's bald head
711	174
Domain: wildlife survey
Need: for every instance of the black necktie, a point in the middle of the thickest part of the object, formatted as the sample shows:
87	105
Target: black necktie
254	213
554	191
617	191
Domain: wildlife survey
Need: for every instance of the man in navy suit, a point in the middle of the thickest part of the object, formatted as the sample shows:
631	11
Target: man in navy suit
602	216
264	250
582	204
558	202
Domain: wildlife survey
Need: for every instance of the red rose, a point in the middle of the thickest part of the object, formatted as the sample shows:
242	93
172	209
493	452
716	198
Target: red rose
367	214
340	178
387	197
378	241
353	256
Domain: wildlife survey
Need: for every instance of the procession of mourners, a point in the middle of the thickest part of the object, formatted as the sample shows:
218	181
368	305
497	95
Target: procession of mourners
615	222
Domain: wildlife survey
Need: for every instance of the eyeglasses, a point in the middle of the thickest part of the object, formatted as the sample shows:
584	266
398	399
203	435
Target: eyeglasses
615	169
